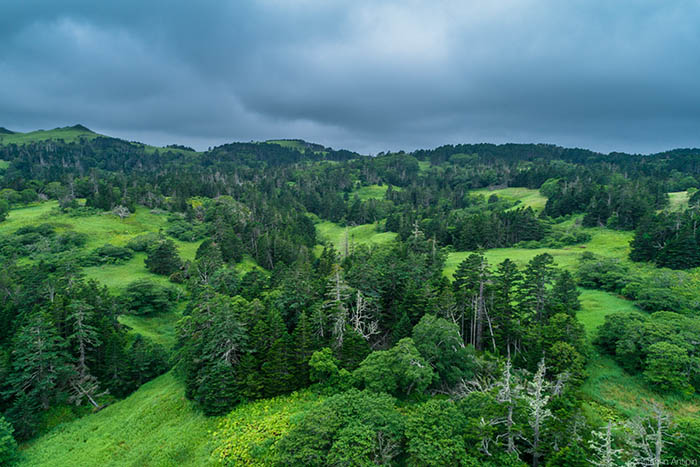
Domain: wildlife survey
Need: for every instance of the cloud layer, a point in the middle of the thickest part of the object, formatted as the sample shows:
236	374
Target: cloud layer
367	75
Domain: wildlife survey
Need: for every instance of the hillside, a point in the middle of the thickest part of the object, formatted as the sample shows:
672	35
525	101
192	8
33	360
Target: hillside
232	296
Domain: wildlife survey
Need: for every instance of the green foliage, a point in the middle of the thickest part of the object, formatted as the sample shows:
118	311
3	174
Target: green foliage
145	297
400	370
142	243
108	254
211	342
163	258
439	343
323	366
4	209
661	346
666	365
435	434
249	433
185	231
8	445
353	428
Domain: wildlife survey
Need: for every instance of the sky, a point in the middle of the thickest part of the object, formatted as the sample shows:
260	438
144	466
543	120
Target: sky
365	75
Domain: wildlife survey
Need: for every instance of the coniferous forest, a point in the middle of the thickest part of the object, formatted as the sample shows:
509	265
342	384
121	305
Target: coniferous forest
490	305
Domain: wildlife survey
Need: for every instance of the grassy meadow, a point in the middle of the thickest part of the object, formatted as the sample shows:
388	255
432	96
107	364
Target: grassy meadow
678	200
371	192
154	426
68	134
611	243
365	234
527	196
102	229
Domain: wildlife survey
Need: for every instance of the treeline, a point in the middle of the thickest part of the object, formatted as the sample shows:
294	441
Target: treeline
669	239
61	345
240	343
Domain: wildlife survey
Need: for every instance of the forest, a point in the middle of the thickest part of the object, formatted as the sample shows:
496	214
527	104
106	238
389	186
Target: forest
476	304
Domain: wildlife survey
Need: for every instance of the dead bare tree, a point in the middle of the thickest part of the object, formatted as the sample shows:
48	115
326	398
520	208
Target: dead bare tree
649	437
537	397
604	454
361	318
121	211
510	390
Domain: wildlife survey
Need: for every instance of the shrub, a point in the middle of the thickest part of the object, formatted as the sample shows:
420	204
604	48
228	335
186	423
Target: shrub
145	297
8	445
183	230
143	243
163	259
108	254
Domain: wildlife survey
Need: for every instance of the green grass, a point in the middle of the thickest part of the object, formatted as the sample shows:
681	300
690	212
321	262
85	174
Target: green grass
678	200
4	164
160	328
361	234
245	435
154	426
101	229
608	385
527	197
596	305
246	265
423	166
604	242
67	134
370	192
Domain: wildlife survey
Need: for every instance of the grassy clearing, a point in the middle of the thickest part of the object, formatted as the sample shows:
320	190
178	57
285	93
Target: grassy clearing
370	192
362	234
607	384
67	134
160	328
527	196
246	265
596	305
678	200
155	426
604	242
423	166
102	229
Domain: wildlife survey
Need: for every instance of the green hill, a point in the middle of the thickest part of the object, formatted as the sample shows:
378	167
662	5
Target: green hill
68	134
154	426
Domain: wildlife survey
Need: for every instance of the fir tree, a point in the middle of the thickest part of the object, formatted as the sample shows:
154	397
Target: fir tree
163	258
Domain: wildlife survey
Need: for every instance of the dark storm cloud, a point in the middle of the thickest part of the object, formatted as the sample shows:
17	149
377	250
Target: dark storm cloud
368	75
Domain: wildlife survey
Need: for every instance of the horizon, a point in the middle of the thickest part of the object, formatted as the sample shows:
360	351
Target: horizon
273	139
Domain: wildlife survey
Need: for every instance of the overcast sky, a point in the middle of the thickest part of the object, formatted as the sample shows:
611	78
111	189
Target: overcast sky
364	75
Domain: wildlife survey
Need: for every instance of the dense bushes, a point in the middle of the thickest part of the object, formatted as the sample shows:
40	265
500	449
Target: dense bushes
108	254
662	346
8	445
163	258
669	239
652	290
186	231
145	297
